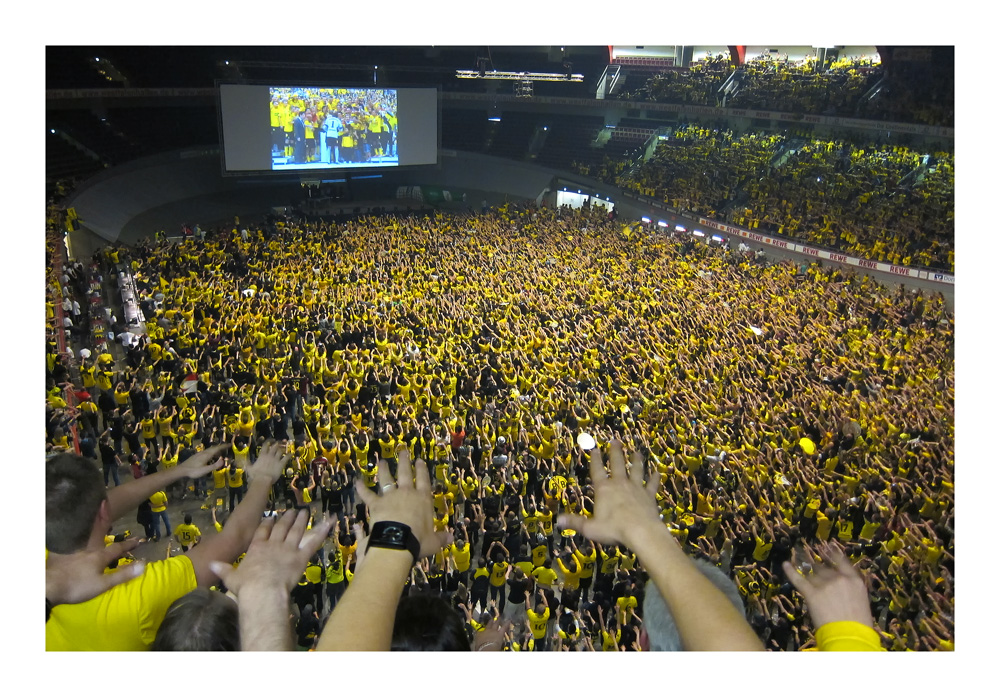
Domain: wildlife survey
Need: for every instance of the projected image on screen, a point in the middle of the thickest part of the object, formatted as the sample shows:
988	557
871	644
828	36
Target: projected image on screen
321	127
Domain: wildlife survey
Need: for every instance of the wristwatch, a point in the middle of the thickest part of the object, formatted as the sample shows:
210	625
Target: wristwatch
392	535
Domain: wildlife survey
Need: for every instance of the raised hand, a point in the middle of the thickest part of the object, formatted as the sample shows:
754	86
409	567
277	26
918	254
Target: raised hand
834	591
277	555
270	462
408	500
76	577
202	464
623	505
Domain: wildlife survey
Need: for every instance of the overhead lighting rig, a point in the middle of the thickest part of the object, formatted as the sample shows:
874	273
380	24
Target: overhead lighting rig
505	75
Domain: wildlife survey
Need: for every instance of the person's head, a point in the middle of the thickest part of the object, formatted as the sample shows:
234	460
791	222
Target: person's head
428	623
75	503
659	630
202	620
187	518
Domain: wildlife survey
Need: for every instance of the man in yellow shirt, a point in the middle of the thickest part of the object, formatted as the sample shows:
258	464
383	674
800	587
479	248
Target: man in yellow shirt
79	511
234	479
461	554
538	620
187	534
158	503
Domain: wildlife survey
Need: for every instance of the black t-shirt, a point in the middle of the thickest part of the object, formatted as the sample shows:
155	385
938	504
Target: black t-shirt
628	636
307	629
87	448
336	495
107	454
514	539
517	588
105	401
491	536
480	584
491	506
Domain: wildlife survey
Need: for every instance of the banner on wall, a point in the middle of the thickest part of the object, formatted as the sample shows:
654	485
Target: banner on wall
905	271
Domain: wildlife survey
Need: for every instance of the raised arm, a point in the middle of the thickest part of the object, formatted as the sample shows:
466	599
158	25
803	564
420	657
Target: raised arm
126	498
265	578
625	512
370	601
241	525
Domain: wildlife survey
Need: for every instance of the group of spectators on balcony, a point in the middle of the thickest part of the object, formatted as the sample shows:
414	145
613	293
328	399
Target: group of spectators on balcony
888	203
908	94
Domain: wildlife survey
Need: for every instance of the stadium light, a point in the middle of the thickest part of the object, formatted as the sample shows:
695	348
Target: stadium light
52	130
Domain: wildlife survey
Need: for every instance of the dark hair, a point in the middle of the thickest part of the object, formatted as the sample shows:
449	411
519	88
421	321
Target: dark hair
73	496
202	620
428	623
187	518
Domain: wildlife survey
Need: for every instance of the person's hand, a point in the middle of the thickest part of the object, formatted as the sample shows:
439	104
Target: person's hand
834	591
77	577
270	462
492	636
277	555
408	501
201	464
623	505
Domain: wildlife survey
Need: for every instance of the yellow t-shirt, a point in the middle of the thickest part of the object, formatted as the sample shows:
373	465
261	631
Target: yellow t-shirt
538	623
461	557
847	636
124	618
187	534
158	502
498	575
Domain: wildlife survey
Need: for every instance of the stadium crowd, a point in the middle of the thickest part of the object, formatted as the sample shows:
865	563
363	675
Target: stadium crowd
909	94
699	84
889	203
777	409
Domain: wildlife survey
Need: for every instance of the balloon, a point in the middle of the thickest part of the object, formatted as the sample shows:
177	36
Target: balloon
808	446
586	441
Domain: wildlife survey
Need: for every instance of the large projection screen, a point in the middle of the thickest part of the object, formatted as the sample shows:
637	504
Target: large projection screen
291	128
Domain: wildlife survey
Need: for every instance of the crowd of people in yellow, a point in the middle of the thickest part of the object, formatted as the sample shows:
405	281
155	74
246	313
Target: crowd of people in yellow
778	412
888	203
774	83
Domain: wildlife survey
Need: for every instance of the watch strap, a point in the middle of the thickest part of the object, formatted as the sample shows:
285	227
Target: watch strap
389	534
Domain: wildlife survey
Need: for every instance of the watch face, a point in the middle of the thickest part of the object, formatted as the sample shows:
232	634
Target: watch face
394	535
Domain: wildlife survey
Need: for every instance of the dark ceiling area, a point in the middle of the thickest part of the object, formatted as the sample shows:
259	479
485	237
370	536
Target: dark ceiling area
77	67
